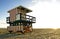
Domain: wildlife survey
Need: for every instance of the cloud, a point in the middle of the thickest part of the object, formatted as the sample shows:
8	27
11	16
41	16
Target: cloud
3	24
47	14
34	1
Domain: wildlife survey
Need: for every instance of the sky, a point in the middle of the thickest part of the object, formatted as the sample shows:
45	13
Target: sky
47	12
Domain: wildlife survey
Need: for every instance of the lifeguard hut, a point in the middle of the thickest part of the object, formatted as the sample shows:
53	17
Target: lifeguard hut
19	21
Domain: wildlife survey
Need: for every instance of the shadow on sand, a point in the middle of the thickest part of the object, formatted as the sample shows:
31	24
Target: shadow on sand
7	35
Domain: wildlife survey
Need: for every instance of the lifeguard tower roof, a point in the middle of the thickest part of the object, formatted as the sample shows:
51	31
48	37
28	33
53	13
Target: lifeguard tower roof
21	8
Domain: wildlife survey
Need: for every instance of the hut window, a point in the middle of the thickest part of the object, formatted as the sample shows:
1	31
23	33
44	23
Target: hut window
23	17
17	16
